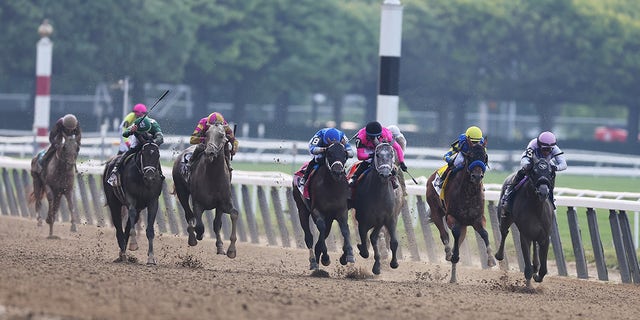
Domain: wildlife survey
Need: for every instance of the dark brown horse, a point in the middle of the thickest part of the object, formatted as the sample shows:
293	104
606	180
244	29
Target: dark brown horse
532	211
463	205
208	185
328	190
140	188
375	202
56	180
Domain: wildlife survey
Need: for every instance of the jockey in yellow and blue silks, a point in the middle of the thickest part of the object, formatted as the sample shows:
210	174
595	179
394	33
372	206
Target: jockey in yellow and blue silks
198	137
367	139
138	111
544	146
455	156
318	145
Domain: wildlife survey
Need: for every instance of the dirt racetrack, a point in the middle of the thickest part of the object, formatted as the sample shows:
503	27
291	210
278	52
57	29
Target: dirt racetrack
74	278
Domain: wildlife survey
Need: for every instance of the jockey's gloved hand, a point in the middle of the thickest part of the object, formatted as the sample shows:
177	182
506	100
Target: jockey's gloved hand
403	166
554	168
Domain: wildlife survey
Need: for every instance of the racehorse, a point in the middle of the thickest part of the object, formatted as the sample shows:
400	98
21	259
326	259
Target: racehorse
56	180
140	188
328	191
532	212
208	184
463	205
374	202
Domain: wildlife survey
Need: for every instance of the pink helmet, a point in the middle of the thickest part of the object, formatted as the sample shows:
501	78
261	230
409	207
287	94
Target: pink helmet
546	140
139	109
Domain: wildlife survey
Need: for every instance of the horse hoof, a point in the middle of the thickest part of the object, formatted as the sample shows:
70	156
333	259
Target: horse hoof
53	237
39	223
499	257
192	240
491	262
133	247
313	265
376	269
325	260
74	228
537	278
200	236
231	254
363	251
394	264
151	261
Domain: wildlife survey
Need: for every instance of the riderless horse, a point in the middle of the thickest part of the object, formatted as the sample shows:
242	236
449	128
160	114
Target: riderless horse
461	206
56	179
532	211
208	185
140	188
328	189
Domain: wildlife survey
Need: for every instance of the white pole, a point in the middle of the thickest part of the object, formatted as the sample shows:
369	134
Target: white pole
125	97
42	105
389	73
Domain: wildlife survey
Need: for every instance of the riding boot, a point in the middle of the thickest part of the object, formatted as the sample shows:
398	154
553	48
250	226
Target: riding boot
508	193
443	177
356	175
307	171
194	156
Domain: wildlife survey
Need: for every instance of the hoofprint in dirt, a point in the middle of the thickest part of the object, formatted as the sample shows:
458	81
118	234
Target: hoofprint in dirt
74	277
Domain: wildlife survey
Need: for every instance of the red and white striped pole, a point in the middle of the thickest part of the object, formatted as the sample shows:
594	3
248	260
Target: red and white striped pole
44	50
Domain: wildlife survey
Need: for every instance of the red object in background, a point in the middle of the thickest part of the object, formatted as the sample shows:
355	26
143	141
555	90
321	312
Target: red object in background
609	134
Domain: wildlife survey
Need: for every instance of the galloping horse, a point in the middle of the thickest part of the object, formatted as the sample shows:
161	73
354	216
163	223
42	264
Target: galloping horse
375	202
328	202
532	212
209	187
140	188
57	179
463	205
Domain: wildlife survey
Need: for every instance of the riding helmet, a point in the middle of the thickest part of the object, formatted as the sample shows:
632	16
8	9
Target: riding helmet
69	121
546	140
214	118
139	109
373	129
331	135
474	134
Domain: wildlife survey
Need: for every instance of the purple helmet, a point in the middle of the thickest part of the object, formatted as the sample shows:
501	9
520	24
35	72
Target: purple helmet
331	135
546	140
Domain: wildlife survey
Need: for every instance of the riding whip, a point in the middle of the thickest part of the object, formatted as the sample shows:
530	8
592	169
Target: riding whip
412	178
155	104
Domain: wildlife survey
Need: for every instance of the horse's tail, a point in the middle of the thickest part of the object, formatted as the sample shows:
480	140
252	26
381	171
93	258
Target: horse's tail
38	191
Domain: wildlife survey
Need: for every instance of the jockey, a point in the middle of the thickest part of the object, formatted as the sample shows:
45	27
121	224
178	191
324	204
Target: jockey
402	141
367	139
65	126
318	145
454	157
198	137
144	130
544	146
138	111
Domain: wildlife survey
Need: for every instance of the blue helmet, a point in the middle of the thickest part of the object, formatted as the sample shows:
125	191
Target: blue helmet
331	135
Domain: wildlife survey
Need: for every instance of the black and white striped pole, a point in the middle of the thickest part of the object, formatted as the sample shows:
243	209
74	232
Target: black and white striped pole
389	73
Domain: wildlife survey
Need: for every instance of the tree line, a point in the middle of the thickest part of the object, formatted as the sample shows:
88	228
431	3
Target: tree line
454	52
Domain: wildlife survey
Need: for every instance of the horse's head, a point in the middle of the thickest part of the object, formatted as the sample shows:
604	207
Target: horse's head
383	159
215	141
335	157
68	152
476	162
541	175
149	162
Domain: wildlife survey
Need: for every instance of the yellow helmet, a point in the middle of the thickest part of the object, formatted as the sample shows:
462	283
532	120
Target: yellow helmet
474	134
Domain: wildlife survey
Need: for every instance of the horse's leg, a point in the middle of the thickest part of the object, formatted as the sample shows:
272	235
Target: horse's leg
376	251
183	197
117	214
199	224
456	230
536	258
347	249
525	245
131	220
383	242
543	250
479	227
321	245
393	243
363	246
72	209
303	215
505	223
152	211
231	251
54	205
133	236
196	216
437	216
217	225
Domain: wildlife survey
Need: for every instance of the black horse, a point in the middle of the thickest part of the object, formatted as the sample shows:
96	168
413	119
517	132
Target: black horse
374	202
532	211
208	185
462	206
328	191
140	188
56	180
